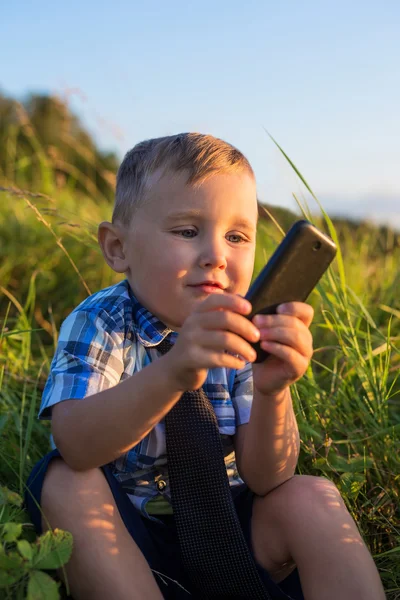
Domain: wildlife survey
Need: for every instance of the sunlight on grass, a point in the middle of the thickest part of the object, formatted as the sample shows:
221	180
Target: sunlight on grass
347	405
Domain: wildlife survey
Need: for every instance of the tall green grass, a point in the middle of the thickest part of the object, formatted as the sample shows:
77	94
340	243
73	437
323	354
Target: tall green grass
347	405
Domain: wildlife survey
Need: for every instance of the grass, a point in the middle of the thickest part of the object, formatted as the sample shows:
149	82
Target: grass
347	405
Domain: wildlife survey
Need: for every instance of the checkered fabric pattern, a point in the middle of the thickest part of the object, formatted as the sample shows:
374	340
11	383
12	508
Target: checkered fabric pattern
214	551
105	340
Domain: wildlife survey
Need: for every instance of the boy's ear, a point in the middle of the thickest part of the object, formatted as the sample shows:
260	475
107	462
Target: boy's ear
111	242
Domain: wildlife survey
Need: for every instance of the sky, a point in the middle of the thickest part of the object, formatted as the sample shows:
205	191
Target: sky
322	78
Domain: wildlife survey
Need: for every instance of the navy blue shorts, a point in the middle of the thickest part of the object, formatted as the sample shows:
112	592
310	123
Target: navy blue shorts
158	541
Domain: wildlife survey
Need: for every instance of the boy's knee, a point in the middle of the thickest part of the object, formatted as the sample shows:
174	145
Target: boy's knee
306	493
65	490
312	493
61	478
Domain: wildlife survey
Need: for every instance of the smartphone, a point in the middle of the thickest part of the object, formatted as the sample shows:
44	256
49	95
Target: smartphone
292	272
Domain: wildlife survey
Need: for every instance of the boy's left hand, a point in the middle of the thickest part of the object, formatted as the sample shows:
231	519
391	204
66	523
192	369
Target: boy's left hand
287	338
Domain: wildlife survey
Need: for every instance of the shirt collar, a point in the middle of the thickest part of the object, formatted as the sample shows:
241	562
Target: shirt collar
149	329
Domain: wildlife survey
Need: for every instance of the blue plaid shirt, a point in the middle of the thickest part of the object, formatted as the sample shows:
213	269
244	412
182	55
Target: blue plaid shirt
105	340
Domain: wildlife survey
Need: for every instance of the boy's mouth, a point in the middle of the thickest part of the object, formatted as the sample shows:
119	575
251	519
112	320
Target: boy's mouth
208	287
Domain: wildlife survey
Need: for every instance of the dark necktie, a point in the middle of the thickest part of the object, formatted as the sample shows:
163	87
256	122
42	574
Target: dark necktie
214	552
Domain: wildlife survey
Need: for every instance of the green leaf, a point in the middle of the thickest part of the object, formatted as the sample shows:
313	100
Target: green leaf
25	549
10	560
351	484
3	421
307	431
338	464
352	465
42	587
392	551
54	549
7	513
17	331
9	497
11	568
7	579
11	532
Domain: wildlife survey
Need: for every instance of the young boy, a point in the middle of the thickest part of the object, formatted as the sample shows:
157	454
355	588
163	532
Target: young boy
183	232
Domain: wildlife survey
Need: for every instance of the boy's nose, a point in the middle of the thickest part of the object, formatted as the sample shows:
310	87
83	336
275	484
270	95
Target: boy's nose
213	260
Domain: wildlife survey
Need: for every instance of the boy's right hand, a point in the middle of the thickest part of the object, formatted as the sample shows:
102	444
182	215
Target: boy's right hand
215	331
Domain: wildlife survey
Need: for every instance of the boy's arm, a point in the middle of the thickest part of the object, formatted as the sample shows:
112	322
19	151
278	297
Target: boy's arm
267	447
93	429
98	429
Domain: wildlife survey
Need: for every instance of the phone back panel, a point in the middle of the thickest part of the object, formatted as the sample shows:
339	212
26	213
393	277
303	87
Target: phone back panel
293	270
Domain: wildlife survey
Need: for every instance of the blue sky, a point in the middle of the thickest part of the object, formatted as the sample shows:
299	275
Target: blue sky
322	78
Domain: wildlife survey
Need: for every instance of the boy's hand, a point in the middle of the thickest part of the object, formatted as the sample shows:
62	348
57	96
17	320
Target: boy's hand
286	336
215	331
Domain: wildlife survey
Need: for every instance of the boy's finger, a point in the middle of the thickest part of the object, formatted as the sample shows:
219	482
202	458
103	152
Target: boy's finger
227	342
225	301
227	320
296	364
276	320
298	339
301	310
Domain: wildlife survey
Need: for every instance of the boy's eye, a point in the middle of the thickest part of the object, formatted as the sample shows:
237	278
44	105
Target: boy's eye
186	233
236	238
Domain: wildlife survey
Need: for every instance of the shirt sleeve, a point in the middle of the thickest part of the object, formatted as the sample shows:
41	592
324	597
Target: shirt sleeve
88	359
242	394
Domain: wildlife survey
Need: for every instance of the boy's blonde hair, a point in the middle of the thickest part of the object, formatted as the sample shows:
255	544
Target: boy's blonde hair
198	154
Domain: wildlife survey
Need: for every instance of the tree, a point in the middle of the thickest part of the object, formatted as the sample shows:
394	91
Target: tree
42	145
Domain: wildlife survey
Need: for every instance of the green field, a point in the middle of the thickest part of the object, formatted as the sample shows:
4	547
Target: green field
348	404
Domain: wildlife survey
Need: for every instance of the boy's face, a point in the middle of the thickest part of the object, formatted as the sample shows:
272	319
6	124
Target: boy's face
184	236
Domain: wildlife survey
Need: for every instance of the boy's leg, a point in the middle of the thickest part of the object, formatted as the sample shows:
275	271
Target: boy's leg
106	563
304	522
